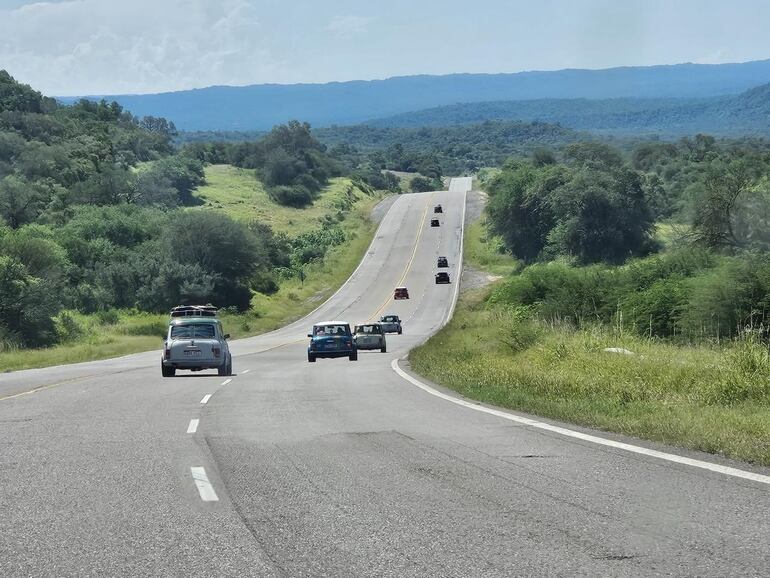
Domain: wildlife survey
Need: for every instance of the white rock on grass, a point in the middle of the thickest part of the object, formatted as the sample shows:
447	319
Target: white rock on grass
619	350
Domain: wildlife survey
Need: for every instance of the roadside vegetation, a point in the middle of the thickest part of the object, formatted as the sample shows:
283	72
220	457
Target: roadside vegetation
665	340
104	226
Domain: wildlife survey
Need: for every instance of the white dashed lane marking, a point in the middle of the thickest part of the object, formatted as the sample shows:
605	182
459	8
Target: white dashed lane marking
205	489
206	398
226	381
193	427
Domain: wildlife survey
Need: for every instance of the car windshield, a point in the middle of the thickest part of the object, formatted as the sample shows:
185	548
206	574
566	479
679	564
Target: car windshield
193	331
321	330
390	318
368	329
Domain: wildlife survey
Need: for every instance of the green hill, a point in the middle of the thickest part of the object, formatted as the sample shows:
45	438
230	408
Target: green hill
747	113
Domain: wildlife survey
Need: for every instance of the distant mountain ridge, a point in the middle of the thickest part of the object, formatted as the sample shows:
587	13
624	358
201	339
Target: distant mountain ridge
259	107
745	113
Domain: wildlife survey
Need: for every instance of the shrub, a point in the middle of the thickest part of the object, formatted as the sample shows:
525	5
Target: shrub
107	317
296	196
67	327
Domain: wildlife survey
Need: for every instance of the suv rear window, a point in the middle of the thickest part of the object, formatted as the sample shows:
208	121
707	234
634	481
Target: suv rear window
331	330
193	331
368	329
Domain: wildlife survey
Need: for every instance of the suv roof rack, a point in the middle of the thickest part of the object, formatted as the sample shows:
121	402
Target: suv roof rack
194	311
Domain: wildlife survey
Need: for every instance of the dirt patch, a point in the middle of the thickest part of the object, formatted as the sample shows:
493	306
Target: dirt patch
474	279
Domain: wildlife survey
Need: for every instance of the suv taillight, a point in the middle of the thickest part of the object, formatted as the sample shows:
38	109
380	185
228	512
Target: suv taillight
167	352
216	351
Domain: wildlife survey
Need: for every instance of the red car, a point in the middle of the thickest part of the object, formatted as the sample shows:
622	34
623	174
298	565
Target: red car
401	293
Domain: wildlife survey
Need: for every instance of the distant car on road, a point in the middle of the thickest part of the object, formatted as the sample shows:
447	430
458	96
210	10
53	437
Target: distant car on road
370	336
442	262
442	277
391	324
195	341
438	209
401	293
434	223
331	339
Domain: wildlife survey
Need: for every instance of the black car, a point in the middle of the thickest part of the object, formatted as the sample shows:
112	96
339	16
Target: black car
434	223
442	277
442	262
438	209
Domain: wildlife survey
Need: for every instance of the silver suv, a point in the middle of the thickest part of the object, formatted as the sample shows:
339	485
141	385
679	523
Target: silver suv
195	341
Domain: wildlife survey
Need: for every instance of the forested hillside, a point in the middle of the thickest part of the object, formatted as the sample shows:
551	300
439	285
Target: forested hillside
455	149
98	212
745	114
259	107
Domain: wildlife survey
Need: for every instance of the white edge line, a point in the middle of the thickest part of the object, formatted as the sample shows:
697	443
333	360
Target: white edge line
226	381
360	263
726	470
205	489
245	371
193	427
459	274
206	398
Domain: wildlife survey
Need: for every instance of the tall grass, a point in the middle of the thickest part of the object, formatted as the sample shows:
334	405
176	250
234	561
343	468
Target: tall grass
709	397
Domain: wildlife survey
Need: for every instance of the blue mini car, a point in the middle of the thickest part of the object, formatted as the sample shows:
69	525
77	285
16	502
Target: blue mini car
331	339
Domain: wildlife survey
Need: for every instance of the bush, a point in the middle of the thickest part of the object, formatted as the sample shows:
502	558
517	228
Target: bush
420	184
67	327
296	196
107	317
27	305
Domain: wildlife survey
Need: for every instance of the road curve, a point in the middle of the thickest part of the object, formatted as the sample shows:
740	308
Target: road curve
341	468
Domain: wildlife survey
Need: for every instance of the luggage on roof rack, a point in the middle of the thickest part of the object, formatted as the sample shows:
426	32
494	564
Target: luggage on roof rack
194	311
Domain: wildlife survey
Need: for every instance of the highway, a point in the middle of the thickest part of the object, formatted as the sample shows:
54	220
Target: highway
342	468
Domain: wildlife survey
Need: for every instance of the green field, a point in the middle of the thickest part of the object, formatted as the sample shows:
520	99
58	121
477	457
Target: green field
240	195
712	397
123	332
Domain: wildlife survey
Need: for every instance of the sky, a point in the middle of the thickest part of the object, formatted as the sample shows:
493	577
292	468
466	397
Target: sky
94	47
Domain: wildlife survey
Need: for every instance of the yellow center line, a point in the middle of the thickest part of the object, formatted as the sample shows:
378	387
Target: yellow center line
411	259
48	386
301	340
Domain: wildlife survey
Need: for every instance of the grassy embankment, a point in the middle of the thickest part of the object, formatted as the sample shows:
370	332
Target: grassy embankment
709	397
236	192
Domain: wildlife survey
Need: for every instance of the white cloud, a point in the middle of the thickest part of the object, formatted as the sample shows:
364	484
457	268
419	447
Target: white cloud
345	26
93	46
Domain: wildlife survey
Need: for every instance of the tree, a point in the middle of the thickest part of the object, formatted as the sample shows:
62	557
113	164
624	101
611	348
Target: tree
111	186
601	216
155	188
519	210
420	184
184	174
20	201
594	155
224	249
27	305
715	211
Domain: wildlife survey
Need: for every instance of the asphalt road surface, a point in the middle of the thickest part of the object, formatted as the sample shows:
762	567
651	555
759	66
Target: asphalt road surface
343	468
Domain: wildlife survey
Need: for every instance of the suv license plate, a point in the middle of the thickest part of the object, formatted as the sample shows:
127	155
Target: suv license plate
193	352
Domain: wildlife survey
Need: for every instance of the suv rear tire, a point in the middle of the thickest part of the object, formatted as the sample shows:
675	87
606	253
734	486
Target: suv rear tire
353	356
167	371
311	358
